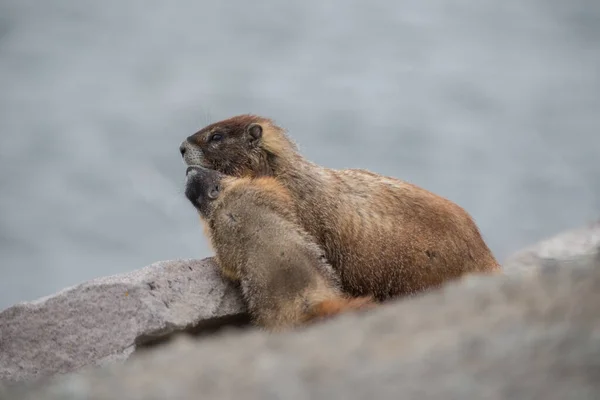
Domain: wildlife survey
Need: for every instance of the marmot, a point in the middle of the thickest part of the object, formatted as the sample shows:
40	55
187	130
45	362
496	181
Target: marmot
385	237
284	276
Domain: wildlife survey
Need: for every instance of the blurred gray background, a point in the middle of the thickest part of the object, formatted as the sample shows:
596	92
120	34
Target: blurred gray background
493	104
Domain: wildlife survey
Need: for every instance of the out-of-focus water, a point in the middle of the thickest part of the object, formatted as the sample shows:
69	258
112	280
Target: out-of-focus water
493	104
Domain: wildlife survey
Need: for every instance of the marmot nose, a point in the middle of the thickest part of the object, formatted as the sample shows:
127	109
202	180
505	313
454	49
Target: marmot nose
182	149
192	168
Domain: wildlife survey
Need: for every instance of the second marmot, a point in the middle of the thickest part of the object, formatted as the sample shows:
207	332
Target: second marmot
284	276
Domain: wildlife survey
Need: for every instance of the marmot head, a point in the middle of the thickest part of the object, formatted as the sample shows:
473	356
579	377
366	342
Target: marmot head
202	188
244	145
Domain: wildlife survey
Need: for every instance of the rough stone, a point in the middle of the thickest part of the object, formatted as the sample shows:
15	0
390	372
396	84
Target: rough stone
506	337
533	332
562	248
100	321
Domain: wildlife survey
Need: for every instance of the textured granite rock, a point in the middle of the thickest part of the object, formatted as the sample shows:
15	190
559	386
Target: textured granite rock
101	320
533	332
532	336
562	248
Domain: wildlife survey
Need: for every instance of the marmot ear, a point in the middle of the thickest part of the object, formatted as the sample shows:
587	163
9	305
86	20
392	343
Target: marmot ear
255	131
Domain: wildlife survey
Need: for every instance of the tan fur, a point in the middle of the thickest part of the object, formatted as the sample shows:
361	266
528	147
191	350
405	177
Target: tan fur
332	307
385	237
282	272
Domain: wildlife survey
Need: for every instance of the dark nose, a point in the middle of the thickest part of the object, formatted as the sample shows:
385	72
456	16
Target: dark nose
182	149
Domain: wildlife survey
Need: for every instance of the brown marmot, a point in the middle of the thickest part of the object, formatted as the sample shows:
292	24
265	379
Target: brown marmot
385	237
283	274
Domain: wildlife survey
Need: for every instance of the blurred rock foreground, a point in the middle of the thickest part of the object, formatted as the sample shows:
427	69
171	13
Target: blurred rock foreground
532	333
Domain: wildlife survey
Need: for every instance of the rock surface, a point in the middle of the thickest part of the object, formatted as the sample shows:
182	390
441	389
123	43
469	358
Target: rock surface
101	320
507	337
533	332
561	248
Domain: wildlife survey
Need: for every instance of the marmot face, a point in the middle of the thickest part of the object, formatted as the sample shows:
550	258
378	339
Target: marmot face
231	146
202	188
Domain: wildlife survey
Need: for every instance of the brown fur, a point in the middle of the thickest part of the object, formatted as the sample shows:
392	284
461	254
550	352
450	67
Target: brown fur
284	276
385	237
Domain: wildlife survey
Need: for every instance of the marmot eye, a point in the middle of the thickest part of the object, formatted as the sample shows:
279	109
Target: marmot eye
216	137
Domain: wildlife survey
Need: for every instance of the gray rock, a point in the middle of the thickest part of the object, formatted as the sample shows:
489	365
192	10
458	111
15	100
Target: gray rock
100	321
532	336
562	248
